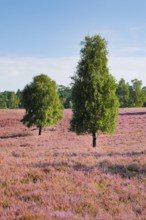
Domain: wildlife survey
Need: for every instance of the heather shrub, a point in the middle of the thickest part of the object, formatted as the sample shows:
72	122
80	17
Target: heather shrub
59	176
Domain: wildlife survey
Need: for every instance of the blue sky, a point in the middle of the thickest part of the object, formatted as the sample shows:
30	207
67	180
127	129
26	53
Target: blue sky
43	36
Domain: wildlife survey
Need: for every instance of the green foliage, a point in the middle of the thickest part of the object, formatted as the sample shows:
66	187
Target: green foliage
95	104
14	101
65	96
19	95
144	95
41	101
136	93
2	101
9	100
123	93
131	95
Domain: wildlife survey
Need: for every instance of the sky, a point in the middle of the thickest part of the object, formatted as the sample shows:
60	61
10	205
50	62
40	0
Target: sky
43	36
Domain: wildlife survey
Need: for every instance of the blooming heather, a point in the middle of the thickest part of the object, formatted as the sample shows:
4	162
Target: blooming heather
59	176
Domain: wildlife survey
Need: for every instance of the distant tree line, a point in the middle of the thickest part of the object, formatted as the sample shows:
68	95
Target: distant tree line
65	95
129	94
10	100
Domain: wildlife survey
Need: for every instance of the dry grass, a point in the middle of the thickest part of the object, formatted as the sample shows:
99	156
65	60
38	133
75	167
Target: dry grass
60	176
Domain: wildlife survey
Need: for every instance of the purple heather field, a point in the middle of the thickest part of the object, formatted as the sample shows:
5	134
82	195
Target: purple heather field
60	176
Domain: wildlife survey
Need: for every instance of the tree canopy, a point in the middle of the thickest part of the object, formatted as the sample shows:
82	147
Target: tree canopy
41	101
131	95
65	96
9	99
95	104
123	93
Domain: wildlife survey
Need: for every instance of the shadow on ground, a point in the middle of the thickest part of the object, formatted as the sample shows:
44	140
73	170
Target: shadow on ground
15	136
125	171
97	155
133	113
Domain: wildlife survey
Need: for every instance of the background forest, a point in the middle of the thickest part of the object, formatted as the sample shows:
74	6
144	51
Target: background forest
129	94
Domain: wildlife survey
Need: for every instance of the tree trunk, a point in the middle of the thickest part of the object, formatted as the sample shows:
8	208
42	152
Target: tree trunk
94	139
40	130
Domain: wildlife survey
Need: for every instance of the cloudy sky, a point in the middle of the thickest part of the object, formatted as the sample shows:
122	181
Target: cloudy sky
43	36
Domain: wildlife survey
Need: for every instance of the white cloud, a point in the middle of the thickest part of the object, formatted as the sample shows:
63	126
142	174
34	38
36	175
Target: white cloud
16	72
128	68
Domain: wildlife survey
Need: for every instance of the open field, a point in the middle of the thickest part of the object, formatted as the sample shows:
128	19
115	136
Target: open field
60	176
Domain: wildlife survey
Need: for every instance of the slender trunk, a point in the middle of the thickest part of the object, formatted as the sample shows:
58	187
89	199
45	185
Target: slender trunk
94	139
40	130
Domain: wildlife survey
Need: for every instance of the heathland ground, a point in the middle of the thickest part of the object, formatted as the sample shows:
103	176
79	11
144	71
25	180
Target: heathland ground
58	175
